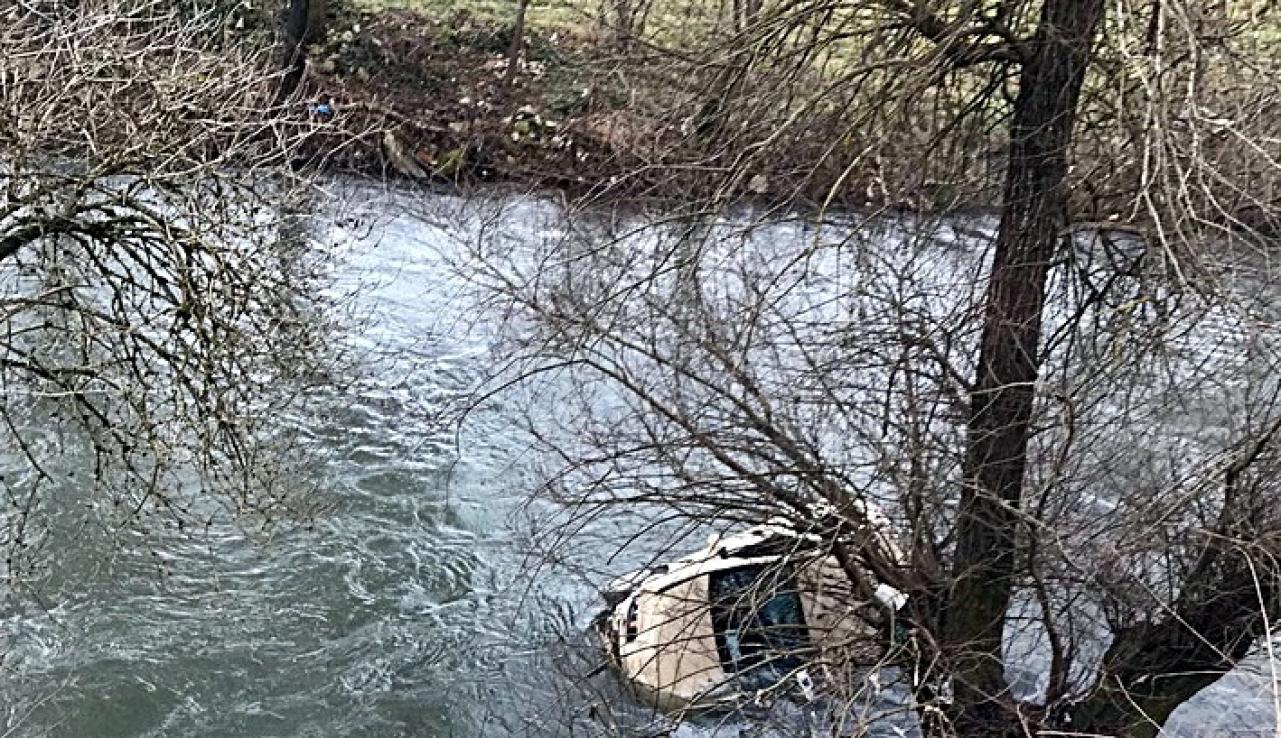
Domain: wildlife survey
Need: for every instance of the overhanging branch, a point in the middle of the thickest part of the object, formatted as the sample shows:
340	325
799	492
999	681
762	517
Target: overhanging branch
954	39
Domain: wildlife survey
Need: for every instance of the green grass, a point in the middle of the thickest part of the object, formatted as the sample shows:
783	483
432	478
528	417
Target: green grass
543	15
674	23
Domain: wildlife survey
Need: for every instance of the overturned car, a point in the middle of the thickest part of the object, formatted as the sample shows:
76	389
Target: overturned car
764	612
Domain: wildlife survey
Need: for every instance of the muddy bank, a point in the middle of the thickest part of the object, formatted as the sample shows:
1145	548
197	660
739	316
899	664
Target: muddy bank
439	99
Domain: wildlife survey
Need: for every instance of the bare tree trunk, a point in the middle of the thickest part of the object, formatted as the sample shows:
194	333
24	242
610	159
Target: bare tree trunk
1034	214
1228	599
624	18
517	47
304	23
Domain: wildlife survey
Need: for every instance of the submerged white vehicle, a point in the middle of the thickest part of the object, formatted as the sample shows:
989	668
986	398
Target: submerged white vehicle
759	613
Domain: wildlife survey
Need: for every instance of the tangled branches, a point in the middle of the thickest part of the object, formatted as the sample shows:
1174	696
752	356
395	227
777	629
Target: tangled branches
160	298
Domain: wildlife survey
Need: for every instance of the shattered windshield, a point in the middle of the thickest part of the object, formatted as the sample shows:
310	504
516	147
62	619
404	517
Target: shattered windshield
758	622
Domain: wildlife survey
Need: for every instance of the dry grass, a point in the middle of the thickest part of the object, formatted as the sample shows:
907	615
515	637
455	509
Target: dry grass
544	15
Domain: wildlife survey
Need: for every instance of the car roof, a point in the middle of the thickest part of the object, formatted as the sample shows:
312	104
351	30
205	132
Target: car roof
731	552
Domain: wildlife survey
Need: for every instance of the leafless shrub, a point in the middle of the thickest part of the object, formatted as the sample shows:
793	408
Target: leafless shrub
1073	420
161	299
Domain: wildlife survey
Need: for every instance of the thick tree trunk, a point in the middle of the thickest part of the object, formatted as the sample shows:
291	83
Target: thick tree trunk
517	47
1033	218
624	15
1152	668
304	23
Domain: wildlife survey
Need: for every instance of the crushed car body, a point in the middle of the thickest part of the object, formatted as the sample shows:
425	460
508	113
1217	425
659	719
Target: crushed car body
764	612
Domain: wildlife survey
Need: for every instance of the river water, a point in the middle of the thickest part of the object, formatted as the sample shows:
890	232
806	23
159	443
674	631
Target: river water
412	607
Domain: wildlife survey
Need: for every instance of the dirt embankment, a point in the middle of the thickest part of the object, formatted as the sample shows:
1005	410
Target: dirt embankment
439	99
436	96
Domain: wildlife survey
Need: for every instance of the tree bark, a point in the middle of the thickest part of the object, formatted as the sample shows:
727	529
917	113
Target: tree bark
304	23
1227	601
517	46
1152	668
1033	219
624	18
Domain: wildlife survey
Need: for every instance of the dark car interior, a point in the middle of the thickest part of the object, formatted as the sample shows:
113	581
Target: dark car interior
758	623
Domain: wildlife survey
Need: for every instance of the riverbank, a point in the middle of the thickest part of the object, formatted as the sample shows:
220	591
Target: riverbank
440	98
437	94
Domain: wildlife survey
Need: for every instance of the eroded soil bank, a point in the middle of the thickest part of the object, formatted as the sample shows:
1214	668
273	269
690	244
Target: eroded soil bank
441	93
440	98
